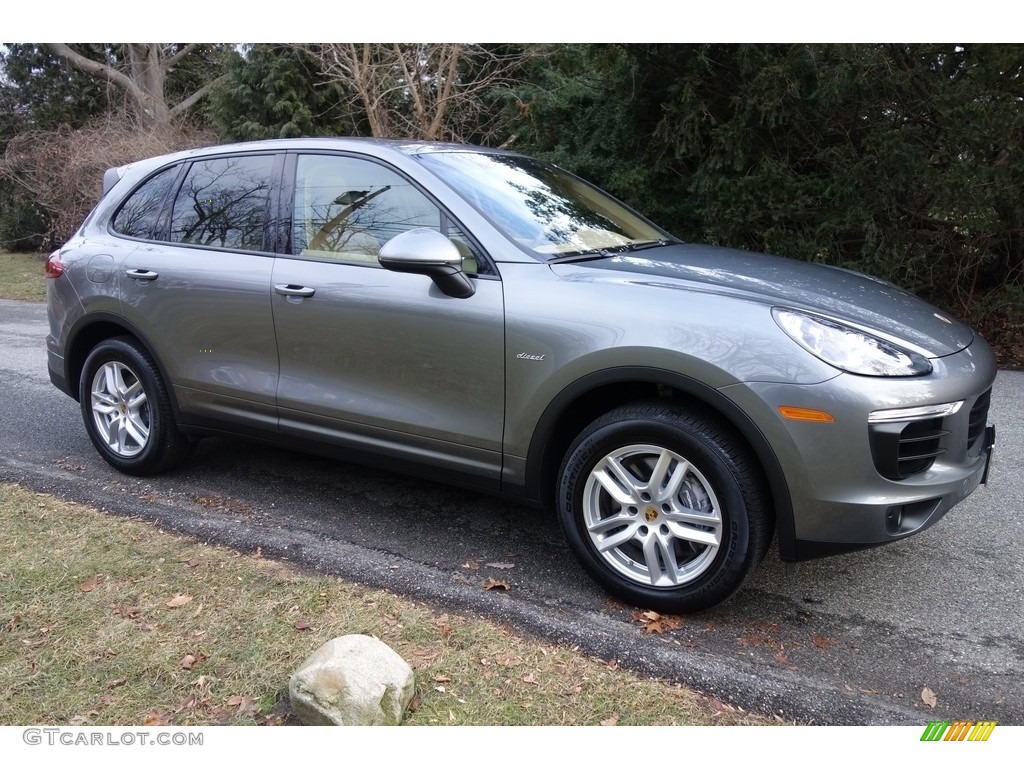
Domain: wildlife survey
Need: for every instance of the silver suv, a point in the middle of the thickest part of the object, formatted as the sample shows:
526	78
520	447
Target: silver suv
479	316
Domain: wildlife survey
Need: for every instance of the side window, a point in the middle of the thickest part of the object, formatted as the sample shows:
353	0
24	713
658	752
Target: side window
223	203
140	214
346	208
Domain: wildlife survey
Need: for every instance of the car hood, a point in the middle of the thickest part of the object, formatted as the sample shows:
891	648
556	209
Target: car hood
838	293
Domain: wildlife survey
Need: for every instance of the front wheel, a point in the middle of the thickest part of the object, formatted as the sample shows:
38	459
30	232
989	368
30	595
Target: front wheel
663	506
127	410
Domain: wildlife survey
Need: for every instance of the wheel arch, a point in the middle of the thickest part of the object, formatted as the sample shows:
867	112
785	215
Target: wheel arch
98	327
597	393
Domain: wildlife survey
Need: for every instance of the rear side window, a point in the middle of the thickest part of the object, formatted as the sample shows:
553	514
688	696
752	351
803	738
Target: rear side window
223	203
140	214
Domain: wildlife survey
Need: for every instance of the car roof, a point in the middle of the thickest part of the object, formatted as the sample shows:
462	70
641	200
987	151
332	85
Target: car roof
399	146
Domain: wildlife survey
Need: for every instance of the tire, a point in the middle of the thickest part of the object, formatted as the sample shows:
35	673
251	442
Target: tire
664	506
127	410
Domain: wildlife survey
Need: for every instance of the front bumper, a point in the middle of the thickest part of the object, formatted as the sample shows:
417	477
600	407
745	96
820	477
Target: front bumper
841	498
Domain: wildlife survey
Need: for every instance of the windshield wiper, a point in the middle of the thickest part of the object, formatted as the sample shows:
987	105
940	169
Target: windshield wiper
645	245
603	253
599	253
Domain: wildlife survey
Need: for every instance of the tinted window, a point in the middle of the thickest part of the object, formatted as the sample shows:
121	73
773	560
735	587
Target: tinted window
223	203
140	214
346	208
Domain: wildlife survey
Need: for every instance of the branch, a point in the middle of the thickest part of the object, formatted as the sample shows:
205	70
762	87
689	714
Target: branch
91	67
441	105
171	61
185	104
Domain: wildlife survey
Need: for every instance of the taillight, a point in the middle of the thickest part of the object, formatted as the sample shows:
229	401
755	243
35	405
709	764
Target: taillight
53	266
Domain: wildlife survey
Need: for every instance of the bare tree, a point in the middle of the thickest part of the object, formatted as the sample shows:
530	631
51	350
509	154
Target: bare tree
437	91
143	77
61	170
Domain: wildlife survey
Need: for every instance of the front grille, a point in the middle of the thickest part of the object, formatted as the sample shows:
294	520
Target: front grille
978	418
902	449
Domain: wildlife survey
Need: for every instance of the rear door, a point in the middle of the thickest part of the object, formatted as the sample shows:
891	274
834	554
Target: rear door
201	293
377	360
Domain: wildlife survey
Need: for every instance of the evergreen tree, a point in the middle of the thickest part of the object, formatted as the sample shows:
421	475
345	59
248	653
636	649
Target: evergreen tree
274	91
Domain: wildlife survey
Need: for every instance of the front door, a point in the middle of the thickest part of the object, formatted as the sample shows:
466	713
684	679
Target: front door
378	360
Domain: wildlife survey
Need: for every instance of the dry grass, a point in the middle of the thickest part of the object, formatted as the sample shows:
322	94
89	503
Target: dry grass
88	634
22	276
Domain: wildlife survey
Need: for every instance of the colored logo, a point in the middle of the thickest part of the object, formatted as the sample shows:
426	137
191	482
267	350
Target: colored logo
958	730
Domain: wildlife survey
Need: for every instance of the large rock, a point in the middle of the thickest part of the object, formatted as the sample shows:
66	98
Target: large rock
352	680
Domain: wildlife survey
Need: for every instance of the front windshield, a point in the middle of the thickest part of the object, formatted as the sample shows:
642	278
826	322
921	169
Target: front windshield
547	211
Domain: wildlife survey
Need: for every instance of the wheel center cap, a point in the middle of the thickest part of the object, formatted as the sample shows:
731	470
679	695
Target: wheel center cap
650	514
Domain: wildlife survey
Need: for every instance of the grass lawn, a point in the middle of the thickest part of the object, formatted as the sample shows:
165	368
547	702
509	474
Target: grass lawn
21	276
108	621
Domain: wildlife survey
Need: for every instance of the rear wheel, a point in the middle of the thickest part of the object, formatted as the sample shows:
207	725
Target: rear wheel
127	410
664	506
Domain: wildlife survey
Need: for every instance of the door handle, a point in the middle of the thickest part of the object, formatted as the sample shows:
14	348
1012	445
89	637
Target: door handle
287	289
141	274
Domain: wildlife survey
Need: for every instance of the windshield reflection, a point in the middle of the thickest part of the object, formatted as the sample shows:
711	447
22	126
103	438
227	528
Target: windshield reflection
543	209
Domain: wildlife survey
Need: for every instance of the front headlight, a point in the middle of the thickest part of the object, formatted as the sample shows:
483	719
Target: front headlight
847	348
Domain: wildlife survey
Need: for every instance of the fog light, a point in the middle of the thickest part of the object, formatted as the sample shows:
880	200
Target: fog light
893	519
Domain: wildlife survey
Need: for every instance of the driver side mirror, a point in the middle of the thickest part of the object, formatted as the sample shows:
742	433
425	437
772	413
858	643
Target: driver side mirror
425	251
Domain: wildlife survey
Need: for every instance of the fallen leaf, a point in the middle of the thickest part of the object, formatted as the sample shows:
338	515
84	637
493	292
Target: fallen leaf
188	704
303	624
655	623
500	565
126	611
415	703
91	584
530	679
244	703
189	660
496	584
821	642
781	657
442	679
117	683
421	657
179	600
472	565
272	719
157	717
613	720
663	623
928	697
